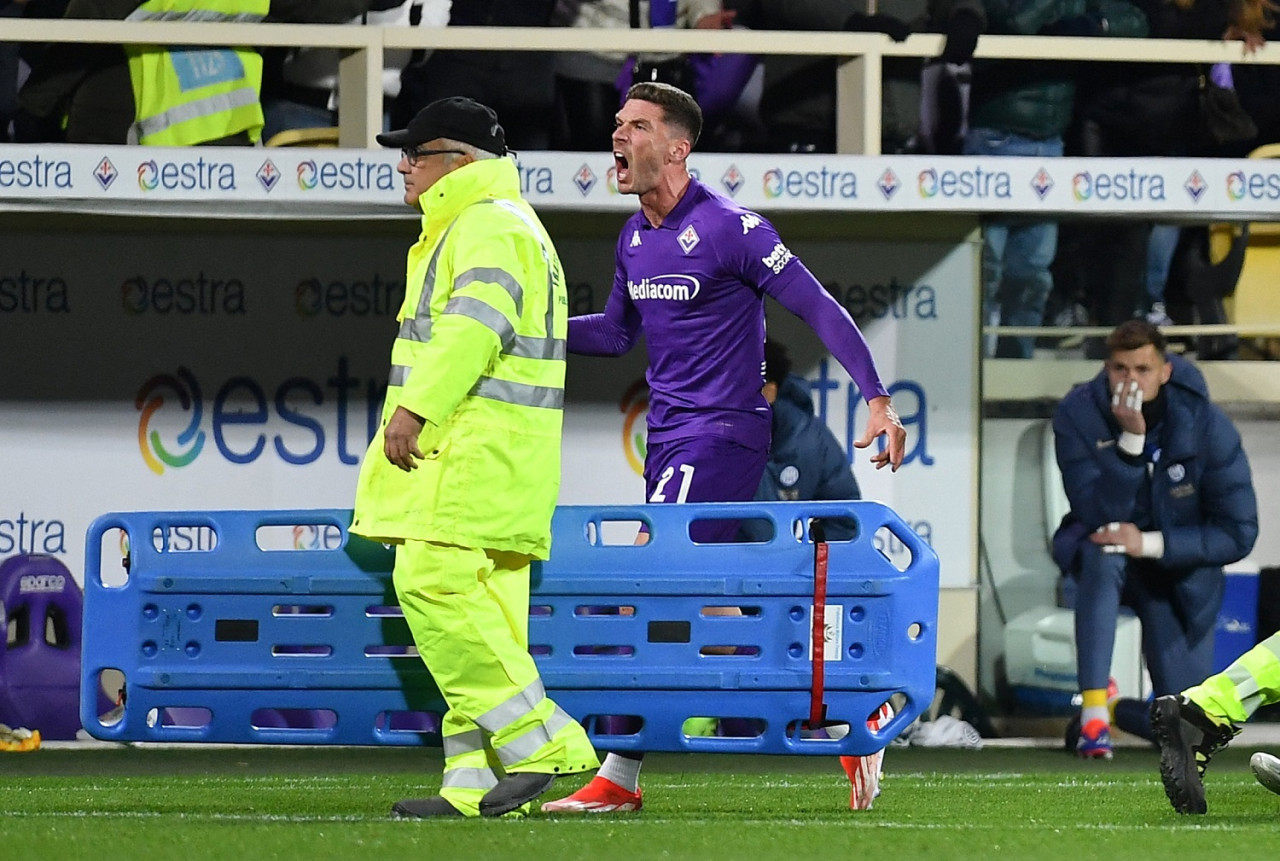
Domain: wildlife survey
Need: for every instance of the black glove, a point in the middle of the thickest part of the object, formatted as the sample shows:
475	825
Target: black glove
962	37
1081	25
890	26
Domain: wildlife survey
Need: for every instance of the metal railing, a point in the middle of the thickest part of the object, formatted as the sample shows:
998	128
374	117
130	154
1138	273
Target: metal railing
858	76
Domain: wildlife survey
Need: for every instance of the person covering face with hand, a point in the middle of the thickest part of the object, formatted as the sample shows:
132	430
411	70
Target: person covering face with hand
1161	498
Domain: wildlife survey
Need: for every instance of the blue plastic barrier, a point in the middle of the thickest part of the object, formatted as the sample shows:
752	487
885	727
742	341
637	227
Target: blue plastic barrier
222	637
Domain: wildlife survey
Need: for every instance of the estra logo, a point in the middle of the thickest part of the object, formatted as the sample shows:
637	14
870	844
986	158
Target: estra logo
635	408
183	393
296	420
357	174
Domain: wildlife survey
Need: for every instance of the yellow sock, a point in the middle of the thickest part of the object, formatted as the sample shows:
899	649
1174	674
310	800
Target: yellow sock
1094	704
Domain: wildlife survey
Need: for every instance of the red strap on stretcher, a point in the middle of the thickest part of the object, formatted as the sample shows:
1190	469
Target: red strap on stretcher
818	709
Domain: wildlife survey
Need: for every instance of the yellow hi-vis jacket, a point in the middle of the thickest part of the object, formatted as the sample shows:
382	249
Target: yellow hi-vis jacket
480	354
185	96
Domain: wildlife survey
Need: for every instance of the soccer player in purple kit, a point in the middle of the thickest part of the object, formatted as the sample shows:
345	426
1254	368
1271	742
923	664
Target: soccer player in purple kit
693	269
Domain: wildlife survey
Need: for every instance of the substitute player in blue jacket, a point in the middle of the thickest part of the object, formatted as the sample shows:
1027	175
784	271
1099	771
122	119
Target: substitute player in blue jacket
1161	498
693	268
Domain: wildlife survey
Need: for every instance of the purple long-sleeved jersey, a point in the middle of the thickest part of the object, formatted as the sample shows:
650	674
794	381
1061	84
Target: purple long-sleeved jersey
695	287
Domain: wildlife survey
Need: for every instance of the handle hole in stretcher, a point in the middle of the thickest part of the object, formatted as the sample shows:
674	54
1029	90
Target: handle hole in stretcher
799	730
724	727
293	719
915	631
604	610
755	530
380	650
720	610
541	610
893	548
113	559
313	610
730	651
277	537
111	695
428	723
184	538
604	651
832	530
614	725
384	611
179	717
540	650
305	651
617	533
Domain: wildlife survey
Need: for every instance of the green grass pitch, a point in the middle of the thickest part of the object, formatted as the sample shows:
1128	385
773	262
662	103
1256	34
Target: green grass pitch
246	803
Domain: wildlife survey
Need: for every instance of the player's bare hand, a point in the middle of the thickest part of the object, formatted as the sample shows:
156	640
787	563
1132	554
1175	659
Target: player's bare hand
1126	406
1119	538
400	439
884	421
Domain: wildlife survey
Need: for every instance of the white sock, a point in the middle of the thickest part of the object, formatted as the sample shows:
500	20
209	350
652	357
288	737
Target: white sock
1092	713
622	771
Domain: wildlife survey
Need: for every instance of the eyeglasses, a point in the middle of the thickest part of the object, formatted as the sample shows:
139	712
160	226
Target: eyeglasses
413	153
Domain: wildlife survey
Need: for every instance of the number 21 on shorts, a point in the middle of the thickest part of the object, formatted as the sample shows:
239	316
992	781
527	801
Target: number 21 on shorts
686	481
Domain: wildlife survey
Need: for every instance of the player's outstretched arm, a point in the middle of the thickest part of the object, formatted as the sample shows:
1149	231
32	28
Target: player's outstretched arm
884	421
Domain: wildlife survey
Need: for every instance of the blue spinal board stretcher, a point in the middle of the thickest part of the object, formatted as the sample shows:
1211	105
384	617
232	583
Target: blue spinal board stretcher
281	627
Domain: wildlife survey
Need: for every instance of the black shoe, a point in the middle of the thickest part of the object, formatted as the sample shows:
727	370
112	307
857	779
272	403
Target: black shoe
435	807
514	790
1188	739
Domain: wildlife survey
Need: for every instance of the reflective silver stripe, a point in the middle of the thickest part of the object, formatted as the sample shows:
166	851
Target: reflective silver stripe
463	742
520	394
532	347
205	107
484	314
412	329
192	15
524	746
399	375
492	275
1246	686
418	328
513	709
469	778
547	259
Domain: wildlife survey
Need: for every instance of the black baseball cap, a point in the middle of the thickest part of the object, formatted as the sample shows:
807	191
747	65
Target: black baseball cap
457	118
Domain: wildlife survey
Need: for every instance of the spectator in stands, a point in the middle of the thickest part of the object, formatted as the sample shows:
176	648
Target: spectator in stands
9	71
519	85
1194	725
85	93
1141	109
799	100
300	85
1022	109
586	84
1161	498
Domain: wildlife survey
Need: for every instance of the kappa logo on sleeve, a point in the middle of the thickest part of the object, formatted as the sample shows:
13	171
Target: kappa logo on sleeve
750	221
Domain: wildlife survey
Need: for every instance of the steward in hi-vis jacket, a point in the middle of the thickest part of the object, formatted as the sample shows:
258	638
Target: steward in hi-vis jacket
192	95
464	471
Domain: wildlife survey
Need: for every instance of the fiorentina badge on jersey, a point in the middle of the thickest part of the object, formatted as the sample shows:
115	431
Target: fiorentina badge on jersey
688	239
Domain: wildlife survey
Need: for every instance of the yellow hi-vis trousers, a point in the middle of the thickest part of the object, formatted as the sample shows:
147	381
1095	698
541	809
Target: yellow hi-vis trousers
468	610
1250	682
